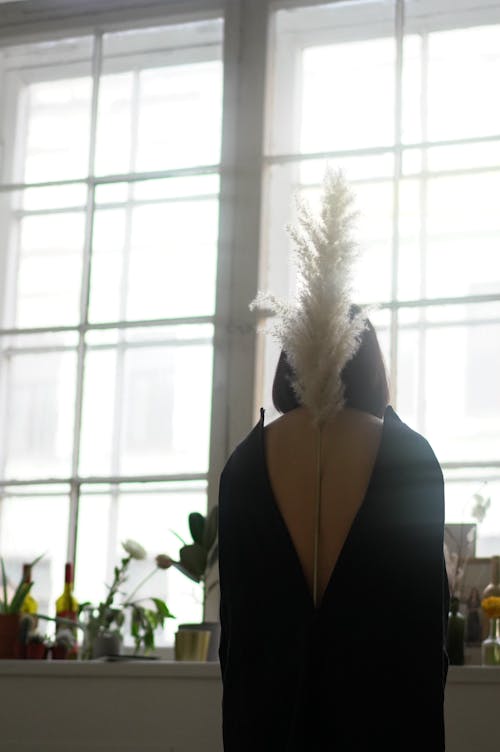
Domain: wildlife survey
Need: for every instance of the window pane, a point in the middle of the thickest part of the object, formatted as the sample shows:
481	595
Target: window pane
173	101
443	221
114	131
463	219
164	508
42	231
157	85
333	77
57	124
435	63
358	77
37	404
149	243
458	369
460	488
46	105
147	402
35	522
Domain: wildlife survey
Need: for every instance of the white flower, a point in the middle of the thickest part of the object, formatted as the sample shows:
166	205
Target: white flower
455	569
134	549
480	507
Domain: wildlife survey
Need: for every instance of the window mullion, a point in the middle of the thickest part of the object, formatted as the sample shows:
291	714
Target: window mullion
423	191
398	118
117	429
12	268
121	350
245	47
84	302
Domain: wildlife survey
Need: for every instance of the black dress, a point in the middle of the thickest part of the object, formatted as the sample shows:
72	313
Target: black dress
367	668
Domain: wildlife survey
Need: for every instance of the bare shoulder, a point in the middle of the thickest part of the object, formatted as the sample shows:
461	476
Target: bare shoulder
348	418
350	427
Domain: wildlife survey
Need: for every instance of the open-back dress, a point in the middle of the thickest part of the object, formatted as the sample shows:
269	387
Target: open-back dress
366	668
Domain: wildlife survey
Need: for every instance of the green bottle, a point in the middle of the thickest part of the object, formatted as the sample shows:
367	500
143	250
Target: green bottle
455	638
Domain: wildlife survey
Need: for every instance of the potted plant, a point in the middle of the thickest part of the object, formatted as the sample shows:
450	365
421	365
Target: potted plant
104	621
36	647
197	560
11	614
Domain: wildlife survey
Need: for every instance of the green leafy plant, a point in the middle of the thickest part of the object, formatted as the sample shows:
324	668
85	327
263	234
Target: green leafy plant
108	617
197	559
13	605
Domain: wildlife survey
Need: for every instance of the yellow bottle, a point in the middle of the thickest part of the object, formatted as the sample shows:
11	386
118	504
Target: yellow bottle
29	604
67	608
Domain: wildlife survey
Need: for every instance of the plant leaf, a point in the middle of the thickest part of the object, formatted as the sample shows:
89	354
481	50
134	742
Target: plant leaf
35	561
178	537
197	527
185	571
22	591
162	608
194	559
4	585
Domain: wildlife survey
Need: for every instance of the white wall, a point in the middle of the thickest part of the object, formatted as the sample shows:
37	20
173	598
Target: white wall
176	707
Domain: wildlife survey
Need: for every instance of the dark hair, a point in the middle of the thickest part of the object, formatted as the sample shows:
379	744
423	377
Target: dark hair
364	377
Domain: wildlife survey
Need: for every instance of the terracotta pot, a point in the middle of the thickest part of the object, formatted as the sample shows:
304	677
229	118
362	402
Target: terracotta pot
59	652
9	633
36	651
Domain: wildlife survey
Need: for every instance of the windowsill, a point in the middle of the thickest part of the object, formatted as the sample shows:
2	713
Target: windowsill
133	668
185	670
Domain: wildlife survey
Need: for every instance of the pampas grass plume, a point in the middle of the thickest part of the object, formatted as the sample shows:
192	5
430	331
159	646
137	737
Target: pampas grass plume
317	330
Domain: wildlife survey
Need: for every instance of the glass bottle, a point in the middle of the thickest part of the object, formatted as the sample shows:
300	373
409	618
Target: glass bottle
29	604
455	638
67	609
490	603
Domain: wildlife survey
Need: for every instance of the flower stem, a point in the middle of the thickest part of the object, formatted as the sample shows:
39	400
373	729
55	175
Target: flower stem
142	582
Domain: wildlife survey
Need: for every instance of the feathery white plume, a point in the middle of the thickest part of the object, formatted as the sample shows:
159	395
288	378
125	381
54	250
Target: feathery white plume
317	331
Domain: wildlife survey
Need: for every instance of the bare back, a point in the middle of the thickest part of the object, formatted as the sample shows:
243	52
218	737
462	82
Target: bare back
349	447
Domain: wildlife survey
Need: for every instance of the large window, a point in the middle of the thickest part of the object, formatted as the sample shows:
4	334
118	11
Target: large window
108	247
138	160
400	95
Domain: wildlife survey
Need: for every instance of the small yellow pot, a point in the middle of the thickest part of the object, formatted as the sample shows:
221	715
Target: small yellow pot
192	644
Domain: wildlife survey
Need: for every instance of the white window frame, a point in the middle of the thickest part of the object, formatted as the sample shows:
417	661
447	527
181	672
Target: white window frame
243	202
225	423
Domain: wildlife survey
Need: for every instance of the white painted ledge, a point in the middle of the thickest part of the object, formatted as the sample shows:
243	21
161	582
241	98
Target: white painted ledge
136	669
155	669
169	706
474	675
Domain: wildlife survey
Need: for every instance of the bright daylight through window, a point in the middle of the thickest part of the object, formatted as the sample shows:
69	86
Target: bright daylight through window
401	97
114	171
108	202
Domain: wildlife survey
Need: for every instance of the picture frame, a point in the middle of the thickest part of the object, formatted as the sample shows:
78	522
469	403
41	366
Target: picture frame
477	575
